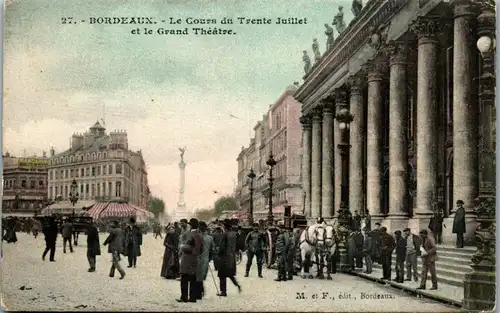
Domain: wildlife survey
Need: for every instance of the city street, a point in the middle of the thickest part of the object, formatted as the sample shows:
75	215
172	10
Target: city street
31	284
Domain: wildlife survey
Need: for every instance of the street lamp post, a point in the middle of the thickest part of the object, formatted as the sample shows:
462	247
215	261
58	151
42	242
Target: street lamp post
73	195
271	162
344	118
479	285
251	176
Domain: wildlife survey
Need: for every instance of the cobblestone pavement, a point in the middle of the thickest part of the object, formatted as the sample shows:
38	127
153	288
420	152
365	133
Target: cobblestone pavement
66	285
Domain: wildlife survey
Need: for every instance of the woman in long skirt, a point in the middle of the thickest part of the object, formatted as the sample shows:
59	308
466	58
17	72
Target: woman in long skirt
170	266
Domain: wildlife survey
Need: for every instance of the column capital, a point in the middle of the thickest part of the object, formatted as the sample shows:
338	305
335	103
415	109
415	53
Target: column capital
398	52
426	28
356	83
306	121
340	95
317	113
375	69
328	104
463	8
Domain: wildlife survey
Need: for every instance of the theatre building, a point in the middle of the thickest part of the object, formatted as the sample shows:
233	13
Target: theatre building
419	90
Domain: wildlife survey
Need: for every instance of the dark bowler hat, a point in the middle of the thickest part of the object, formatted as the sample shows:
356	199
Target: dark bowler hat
460	202
194	223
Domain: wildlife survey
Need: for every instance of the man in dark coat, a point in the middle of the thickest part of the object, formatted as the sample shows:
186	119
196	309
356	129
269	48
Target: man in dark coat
67	232
255	243
290	257
217	235
358	241
170	266
281	250
387	245
227	259
368	250
116	243
50	231
133	241
400	256
376	243
368	221
190	251
356	221
93	246
436	225
459	223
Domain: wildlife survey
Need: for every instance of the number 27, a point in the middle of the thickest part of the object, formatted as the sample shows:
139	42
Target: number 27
67	20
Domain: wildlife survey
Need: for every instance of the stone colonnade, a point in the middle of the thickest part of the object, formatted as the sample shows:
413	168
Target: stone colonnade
321	157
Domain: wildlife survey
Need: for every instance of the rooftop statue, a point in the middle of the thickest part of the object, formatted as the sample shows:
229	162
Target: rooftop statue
338	20
357	7
307	62
329	36
315	47
182	150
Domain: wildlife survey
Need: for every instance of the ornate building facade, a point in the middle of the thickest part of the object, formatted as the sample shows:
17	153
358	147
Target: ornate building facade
278	131
24	184
406	71
103	167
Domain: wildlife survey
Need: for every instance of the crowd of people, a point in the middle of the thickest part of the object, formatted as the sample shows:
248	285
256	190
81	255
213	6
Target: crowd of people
378	245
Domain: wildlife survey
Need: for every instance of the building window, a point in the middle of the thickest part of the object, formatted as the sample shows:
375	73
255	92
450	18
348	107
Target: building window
57	192
23	183
65	192
87	157
104	167
103	189
81	158
40	184
82	172
81	189
118	168
109	188
88	171
93	171
110	169
99	170
98	155
92	190
51	194
86	188
98	190
118	189
71	159
104	155
93	156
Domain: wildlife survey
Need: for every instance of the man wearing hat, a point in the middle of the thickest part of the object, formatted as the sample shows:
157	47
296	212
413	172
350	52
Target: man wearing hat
255	243
282	244
191	249
115	242
227	258
459	223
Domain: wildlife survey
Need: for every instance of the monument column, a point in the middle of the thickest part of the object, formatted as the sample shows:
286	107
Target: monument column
427	154
465	161
375	70
305	120
327	208
316	147
357	139
398	147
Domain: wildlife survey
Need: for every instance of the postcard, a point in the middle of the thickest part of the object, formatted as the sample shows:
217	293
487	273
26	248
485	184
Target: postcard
257	156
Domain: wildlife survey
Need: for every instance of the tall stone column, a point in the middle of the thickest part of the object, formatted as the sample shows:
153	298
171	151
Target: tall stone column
327	203
357	140
427	154
398	147
316	147
465	161
306	163
341	102
375	70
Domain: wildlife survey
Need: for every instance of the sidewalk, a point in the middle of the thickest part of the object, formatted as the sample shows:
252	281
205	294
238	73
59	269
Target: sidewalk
446	293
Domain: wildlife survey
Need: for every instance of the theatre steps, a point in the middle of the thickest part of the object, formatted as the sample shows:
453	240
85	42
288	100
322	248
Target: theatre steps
451	266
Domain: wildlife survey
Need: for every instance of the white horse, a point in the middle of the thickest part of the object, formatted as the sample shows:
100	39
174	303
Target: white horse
329	251
310	240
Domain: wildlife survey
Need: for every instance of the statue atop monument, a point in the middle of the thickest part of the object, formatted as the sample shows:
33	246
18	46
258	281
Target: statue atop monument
315	47
182	150
357	7
307	61
329	36
338	20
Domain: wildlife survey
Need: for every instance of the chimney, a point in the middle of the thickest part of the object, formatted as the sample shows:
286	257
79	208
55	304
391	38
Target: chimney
52	151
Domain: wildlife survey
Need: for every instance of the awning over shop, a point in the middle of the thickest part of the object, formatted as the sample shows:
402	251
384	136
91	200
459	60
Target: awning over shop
115	209
66	207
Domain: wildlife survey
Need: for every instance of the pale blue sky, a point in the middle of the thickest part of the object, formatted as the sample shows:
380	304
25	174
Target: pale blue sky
166	91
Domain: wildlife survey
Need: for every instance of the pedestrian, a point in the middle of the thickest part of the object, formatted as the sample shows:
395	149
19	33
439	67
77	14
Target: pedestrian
227	259
356	221
429	258
368	221
281	251
50	231
116	243
190	252
358	242
255	243
133	241
376	243
93	246
387	245
351	251
459	224
413	243
67	232
290	257
217	236
436	224
10	230
368	250
170	266
400	256
204	260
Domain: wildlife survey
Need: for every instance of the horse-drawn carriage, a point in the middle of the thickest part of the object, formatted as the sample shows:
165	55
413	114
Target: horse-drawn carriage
80	223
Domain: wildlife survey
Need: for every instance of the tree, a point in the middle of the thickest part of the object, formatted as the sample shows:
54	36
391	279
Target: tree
204	214
225	203
156	206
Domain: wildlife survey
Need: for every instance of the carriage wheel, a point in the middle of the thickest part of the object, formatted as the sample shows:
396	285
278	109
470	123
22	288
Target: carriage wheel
270	252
